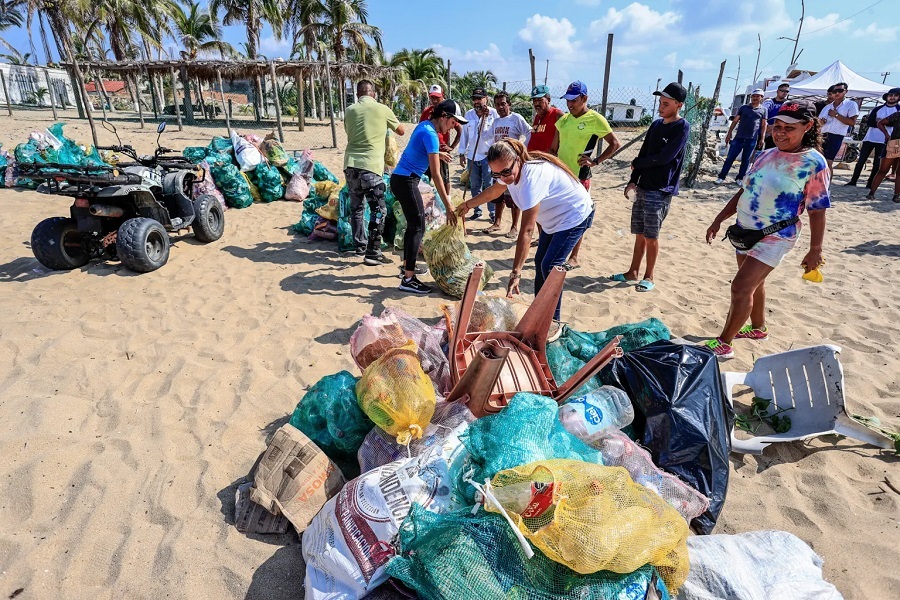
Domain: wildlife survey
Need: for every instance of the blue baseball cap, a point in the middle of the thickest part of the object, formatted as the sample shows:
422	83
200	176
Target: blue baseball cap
575	89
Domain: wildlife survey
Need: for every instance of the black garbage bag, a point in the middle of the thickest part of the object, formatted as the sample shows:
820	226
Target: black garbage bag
681	416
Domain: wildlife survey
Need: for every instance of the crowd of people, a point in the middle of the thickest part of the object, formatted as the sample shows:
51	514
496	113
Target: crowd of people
541	171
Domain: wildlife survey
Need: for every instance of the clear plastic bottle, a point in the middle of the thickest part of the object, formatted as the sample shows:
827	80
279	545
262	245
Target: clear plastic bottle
602	409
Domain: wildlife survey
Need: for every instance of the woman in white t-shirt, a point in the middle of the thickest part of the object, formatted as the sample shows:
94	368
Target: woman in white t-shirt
547	193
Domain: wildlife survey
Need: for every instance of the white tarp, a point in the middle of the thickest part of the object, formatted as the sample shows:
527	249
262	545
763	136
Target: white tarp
838	72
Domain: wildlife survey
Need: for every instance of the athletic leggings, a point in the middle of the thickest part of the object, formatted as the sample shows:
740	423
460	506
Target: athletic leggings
406	190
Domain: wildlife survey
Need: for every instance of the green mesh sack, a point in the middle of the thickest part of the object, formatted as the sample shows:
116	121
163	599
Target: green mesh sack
450	261
329	415
268	180
309	216
527	430
195	154
219	159
29	153
460	555
321	173
71	153
345	232
234	187
220	145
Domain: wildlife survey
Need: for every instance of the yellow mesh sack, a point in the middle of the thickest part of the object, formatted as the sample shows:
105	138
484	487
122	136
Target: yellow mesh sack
594	518
391	150
331	191
254	191
396	394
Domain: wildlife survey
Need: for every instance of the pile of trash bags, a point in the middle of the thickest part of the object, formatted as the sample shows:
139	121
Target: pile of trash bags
45	147
595	498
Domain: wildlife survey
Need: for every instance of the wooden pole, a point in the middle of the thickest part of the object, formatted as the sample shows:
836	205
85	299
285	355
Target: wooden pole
137	94
531	60
450	80
102	85
224	107
301	103
695	167
99	95
277	101
154	105
78	91
188	101
680	76
6	93
203	108
84	97
606	69
50	93
175	97
330	102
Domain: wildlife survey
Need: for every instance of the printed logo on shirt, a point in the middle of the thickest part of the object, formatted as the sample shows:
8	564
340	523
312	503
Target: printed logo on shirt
539	128
581	126
501	133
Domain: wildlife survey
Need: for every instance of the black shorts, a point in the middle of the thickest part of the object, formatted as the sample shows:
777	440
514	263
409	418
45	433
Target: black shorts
507	200
831	145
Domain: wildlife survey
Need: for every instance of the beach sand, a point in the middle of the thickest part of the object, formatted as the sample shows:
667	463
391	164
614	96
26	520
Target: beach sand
133	405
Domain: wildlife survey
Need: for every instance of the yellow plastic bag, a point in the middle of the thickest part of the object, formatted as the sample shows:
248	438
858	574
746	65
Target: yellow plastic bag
594	518
449	259
396	394
332	191
391	150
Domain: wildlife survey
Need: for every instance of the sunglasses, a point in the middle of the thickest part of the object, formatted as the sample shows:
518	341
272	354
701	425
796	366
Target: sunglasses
504	173
838	91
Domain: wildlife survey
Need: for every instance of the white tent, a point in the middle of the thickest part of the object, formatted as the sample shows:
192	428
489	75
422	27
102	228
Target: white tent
838	72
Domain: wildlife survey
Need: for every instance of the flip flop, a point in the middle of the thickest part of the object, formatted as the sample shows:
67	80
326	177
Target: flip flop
569	267
619	278
645	285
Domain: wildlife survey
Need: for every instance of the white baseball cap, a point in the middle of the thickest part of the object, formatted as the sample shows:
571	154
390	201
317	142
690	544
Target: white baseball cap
435	90
757	92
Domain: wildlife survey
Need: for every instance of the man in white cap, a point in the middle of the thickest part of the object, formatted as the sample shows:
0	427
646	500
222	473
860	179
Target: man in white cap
436	96
751	131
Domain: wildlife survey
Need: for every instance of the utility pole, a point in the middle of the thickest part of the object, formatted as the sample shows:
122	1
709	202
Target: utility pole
736	79
796	40
884	76
609	49
758	52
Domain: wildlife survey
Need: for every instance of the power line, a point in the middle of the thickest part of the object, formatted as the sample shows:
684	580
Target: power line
842	20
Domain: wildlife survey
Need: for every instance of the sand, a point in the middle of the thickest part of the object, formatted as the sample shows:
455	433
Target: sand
134	404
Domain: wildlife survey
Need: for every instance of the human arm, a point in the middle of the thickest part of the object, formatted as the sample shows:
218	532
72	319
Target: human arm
667	154
892	121
734	123
813	258
463	145
843	119
458	130
401	130
489	195
612	146
523	245
434	163
762	134
554	145
728	211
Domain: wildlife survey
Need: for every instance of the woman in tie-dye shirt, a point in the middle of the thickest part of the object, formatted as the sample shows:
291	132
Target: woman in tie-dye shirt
784	182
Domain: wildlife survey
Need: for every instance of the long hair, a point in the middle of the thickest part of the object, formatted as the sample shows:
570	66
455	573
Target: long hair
813	138
511	149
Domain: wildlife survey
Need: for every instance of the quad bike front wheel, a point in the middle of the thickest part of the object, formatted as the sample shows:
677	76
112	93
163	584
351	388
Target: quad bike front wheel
142	244
210	222
56	243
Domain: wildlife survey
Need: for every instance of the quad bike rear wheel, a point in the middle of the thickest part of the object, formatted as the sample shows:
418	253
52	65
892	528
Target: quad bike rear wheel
142	244
56	243
209	224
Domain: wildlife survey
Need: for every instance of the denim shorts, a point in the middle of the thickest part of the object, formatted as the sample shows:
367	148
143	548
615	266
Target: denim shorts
648	212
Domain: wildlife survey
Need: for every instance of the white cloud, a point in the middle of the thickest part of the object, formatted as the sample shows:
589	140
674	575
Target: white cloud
635	20
696	64
589	2
670	59
273	48
819	26
874	33
550	37
629	63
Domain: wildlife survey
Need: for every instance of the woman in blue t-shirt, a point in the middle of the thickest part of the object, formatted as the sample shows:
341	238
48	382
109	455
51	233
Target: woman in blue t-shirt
423	153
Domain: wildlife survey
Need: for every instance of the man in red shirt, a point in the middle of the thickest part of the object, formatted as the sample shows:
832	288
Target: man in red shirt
545	116
436	96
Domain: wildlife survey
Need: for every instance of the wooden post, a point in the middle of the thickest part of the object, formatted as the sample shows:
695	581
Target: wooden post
203	108
301	102
449	80
175	96
606	69
154	105
78	91
531	60
82	89
50	93
695	167
680	76
188	101
6	94
277	101
224	107
230	111
99	95
330	102
102	85
137	93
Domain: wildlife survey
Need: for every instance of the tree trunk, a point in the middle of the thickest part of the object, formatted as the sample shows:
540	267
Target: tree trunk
313	105
58	25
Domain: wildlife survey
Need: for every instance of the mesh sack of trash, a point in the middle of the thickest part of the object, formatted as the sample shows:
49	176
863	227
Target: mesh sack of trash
273	151
321	173
449	420
391	150
329	415
758	565
207	187
220	145
592	518
489	313
459	555
349	542
376	335
331	192
309	215
450	261
297	188
4	161
195	154
251	186
634	335
233	184
527	430
397	395
70	153
268	180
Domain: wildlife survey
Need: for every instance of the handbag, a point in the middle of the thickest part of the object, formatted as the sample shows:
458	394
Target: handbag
744	239
893	149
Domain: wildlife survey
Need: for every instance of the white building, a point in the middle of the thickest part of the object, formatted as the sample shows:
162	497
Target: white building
624	113
25	83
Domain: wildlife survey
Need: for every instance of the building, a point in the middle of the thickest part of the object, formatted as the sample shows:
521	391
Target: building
28	84
624	114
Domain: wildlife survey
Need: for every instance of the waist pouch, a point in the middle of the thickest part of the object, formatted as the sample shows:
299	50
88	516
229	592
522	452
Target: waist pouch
744	239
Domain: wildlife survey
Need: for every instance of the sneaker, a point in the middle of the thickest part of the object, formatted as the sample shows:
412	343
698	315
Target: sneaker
360	252
476	214
374	261
720	181
739	181
747	332
556	329
719	348
413	286
417	271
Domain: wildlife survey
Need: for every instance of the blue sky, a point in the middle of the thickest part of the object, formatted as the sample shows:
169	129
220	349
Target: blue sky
653	39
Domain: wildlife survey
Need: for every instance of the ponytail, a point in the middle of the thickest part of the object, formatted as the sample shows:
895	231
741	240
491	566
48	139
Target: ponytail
511	149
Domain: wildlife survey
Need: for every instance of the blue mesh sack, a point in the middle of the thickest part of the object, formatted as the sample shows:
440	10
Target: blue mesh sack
220	145
460	555
321	173
195	154
309	216
234	187
268	180
71	153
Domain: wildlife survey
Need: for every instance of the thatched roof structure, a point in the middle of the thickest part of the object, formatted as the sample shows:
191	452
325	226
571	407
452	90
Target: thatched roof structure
240	69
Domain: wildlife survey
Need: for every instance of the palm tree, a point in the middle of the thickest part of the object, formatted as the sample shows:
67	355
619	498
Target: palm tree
16	58
198	32
345	25
302	26
464	85
419	69
10	16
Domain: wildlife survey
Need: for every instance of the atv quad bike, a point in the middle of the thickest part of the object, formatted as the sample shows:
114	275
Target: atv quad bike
126	211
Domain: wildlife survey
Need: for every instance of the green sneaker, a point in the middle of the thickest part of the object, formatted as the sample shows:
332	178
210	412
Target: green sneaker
747	332
719	348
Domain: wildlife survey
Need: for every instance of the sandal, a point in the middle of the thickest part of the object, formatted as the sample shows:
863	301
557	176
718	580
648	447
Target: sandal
620	278
644	285
570	267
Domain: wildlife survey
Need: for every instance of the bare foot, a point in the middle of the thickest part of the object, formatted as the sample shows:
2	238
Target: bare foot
493	228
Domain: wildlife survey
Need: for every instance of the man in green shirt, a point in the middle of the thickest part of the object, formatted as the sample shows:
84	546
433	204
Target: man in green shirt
367	123
578	133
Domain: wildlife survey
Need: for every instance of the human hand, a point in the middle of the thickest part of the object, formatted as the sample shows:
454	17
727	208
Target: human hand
832	112
712	231
629	189
813	260
759	145
462	160
462	209
512	287
727	139
451	217
585	161
445	157
445	148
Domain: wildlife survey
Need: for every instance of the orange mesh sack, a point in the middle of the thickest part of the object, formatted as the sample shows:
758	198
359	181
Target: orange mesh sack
593	518
397	395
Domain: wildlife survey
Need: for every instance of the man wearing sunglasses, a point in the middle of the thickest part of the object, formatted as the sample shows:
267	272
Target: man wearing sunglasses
837	117
772	106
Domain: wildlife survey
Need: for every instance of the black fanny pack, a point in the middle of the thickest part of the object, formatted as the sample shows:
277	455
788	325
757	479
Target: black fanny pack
744	239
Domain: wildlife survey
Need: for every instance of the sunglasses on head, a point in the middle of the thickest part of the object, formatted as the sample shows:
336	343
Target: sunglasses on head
504	173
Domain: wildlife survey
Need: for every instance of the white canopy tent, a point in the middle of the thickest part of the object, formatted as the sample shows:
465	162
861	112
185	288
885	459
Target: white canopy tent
837	72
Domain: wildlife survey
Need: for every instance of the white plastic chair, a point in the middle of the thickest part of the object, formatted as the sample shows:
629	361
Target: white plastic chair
809	380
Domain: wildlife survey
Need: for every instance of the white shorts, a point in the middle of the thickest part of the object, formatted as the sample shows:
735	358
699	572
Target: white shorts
770	250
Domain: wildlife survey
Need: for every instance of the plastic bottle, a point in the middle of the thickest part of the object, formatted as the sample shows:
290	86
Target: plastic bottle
589	416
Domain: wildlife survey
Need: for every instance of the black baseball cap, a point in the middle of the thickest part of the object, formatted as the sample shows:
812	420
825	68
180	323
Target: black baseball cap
797	111
891	92
452	108
674	90
479	93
